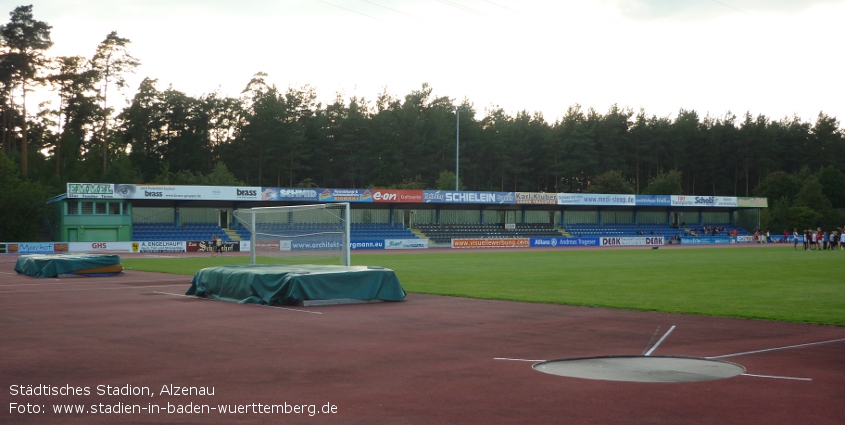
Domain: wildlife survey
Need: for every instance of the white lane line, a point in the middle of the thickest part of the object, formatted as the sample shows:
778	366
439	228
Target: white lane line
88	289
777	348
776	377
259	305
79	281
518	360
660	341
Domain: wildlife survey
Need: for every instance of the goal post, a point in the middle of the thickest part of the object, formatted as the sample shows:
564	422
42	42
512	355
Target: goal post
298	234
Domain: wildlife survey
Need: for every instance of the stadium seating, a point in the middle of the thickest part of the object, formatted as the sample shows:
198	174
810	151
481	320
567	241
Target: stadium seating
171	232
444	233
630	229
359	231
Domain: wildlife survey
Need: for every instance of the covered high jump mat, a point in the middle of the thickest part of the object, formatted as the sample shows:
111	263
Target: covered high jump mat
273	284
62	265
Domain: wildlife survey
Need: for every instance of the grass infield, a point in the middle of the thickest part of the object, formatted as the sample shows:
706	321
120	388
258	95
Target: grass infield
774	283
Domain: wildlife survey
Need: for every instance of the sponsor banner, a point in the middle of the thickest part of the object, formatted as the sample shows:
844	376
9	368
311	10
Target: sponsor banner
632	241
206	246
34	248
243	246
703	201
61	248
653	200
405	243
167	192
705	240
752	202
367	244
725	201
452	197
90	190
159	246
491	243
595	199
564	242
393	195
683	201
536	198
747	239
312	246
99	246
346	195
285	194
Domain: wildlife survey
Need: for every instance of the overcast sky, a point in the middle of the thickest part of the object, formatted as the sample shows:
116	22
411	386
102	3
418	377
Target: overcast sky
774	57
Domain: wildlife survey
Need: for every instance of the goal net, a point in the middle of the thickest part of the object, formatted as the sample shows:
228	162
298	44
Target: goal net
300	234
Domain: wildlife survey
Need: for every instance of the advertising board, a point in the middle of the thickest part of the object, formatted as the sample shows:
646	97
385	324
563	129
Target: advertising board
158	246
492	243
346	195
405	243
563	242
705	240
653	200
163	192
595	199
394	195
632	241
100	246
452	197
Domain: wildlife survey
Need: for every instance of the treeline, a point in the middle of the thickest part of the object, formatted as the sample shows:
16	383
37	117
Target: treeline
284	137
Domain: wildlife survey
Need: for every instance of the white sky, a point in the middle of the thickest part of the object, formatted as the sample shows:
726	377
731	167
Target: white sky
774	57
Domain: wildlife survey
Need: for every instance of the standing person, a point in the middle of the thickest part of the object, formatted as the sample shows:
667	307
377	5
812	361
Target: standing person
824	241
219	246
842	240
213	246
795	239
806	239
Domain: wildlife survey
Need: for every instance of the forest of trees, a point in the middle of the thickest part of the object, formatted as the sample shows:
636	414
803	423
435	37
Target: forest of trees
284	137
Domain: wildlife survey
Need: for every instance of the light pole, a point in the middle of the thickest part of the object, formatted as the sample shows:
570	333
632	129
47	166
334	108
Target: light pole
458	110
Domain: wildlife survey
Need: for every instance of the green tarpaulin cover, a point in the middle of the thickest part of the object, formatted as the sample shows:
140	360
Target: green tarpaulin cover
51	265
287	284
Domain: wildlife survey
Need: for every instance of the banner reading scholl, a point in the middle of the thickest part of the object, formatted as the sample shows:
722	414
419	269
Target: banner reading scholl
346	195
452	197
653	200
289	194
563	242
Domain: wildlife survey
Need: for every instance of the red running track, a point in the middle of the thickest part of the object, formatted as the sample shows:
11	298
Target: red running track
428	360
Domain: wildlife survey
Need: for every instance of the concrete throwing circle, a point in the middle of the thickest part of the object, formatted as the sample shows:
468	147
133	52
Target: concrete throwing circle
642	368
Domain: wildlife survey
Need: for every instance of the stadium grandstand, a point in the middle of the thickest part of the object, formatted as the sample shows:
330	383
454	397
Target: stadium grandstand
194	215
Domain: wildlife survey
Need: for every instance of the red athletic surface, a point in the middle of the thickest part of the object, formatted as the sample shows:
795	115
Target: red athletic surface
428	360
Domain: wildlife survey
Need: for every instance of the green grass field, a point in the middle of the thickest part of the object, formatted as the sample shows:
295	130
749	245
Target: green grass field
755	282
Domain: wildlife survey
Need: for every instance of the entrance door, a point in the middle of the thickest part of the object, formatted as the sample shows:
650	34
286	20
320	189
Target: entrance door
72	235
224	219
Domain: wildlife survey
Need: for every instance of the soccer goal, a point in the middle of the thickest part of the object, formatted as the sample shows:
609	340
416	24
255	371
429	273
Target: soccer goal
300	234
